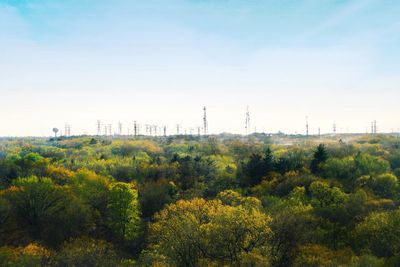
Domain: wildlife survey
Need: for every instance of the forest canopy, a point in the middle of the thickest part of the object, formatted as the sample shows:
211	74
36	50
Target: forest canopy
200	201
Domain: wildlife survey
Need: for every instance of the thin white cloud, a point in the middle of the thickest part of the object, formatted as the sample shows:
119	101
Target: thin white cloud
337	18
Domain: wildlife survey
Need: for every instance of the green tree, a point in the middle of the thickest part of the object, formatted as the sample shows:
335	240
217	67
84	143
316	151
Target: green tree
45	211
154	195
320	156
383	185
291	227
254	170
86	252
32	255
123	215
380	233
190	232
330	203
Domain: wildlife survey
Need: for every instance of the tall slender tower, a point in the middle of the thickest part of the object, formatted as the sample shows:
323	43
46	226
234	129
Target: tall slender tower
98	127
205	123
66	129
247	121
119	128
138	126
165	131
307	126
109	129
334	128
135	129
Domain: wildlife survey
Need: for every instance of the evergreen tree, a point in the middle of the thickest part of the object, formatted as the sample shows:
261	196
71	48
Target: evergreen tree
320	156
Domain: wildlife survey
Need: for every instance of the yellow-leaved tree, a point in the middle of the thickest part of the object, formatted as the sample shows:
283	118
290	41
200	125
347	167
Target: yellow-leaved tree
208	232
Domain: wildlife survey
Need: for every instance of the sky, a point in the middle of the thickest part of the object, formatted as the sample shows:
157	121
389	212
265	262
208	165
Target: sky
159	62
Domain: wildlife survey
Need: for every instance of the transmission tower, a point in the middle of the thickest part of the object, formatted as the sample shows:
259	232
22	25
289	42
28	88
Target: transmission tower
119	128
67	130
109	129
205	123
334	128
135	129
307	126
98	127
247	121
178	129
165	131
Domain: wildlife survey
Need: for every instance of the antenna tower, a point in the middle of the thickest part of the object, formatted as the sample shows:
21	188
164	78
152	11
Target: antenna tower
119	128
247	122
307	126
205	121
98	127
109	129
67	130
135	129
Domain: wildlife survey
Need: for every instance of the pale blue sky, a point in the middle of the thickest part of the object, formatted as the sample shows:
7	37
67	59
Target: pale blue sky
159	62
